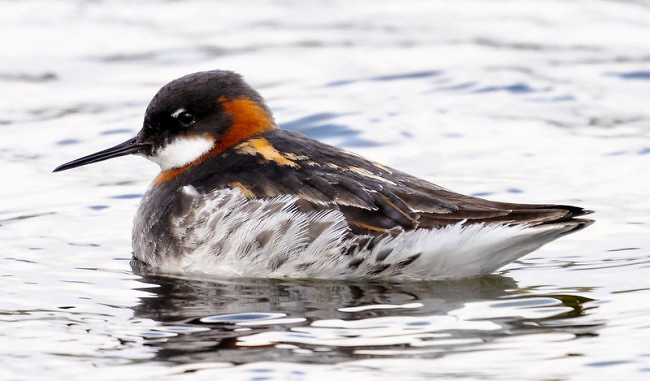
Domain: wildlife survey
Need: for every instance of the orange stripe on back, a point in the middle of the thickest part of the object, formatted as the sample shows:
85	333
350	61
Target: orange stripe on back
261	146
248	119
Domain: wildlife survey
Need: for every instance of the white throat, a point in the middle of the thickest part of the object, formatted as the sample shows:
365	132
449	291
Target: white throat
181	151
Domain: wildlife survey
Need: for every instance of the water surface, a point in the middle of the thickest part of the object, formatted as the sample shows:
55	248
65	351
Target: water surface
516	100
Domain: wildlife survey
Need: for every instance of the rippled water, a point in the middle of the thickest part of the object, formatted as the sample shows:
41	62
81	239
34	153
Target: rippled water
515	100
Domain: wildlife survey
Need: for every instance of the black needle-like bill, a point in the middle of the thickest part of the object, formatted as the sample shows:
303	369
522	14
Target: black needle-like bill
128	147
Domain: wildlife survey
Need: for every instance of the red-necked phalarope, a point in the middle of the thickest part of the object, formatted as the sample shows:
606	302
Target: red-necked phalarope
237	196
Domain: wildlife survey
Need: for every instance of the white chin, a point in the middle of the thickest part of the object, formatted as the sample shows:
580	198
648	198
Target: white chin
181	151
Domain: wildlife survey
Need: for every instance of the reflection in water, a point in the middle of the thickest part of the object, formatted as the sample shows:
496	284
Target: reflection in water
246	320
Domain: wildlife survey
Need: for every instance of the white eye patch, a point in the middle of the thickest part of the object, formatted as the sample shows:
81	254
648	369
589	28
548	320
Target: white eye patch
176	113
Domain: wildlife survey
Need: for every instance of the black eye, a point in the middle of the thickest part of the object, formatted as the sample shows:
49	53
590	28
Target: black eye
186	118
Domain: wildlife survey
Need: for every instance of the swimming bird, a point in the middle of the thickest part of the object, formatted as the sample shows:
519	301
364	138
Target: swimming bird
237	196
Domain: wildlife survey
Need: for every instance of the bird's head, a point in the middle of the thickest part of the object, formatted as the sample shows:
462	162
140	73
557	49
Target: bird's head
191	118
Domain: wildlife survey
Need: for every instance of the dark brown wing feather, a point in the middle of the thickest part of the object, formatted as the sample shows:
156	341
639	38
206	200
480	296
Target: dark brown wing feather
374	198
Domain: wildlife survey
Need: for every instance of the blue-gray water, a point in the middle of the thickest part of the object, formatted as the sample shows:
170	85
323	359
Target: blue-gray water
523	101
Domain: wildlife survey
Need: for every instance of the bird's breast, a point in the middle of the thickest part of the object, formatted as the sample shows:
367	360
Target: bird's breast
224	232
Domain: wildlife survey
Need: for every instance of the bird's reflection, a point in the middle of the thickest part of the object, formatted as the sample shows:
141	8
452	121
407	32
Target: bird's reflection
245	320
177	299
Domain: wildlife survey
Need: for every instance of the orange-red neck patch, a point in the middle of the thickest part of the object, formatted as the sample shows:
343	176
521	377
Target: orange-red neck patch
248	119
